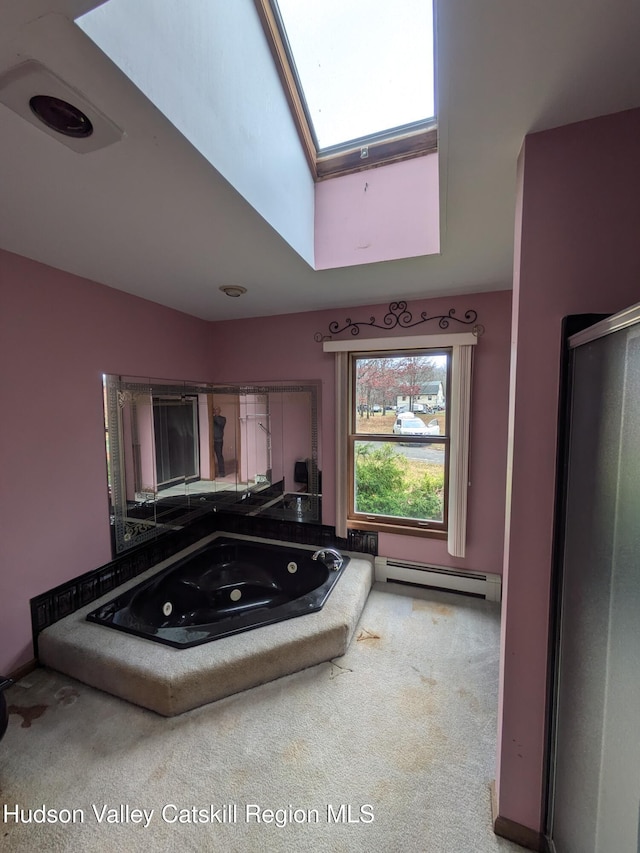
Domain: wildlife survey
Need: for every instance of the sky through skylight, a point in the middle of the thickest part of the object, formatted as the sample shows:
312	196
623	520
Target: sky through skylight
364	67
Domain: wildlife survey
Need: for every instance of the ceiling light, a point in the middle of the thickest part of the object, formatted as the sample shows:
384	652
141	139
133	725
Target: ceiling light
234	290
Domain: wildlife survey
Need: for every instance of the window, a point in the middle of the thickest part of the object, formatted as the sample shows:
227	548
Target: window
429	372
398	444
359	80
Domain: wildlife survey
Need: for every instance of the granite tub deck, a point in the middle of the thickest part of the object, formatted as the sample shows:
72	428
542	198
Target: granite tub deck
171	681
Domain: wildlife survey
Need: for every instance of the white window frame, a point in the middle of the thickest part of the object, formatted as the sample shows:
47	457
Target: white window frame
459	404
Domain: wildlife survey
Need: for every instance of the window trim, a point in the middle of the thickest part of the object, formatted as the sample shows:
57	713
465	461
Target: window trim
389	146
377	521
459	404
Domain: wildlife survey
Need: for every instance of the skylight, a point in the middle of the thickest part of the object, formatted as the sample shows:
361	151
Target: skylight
363	68
359	79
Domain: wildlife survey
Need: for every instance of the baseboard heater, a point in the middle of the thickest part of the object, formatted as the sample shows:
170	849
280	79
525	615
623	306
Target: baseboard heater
480	584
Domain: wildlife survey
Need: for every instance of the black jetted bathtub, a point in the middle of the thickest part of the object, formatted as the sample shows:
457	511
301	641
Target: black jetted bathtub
228	586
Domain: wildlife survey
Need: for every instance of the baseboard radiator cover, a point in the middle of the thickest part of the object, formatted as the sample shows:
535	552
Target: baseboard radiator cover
481	584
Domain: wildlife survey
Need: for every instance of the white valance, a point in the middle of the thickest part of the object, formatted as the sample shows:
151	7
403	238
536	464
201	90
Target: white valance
407	342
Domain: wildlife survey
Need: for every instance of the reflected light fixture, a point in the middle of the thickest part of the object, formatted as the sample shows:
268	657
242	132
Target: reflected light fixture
234	290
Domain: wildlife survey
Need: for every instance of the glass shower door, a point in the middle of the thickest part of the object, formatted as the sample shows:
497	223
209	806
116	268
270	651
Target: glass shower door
595	804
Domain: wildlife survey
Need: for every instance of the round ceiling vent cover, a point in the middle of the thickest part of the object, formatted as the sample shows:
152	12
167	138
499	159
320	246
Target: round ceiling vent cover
61	116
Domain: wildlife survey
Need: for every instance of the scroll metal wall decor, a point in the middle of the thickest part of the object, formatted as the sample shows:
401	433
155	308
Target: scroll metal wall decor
398	316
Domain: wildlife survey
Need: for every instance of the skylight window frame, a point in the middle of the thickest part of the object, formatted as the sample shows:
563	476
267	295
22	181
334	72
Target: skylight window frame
387	146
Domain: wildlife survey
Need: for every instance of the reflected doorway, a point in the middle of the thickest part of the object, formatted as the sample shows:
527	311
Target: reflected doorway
175	428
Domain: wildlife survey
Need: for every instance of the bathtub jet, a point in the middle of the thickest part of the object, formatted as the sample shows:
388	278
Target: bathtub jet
224	588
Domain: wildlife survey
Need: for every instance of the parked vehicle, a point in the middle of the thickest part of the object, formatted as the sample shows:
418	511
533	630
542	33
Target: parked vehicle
414	426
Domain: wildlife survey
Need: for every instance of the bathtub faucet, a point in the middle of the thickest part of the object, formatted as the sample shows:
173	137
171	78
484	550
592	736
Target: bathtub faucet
331	558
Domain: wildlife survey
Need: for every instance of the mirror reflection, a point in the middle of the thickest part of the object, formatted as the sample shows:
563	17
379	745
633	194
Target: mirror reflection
178	450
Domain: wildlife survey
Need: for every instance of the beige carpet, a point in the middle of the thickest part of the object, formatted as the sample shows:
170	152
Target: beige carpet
389	748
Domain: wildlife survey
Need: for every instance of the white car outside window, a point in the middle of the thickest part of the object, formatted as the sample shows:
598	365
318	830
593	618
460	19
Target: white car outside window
414	426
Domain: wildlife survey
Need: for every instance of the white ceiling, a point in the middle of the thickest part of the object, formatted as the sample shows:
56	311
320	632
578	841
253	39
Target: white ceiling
150	216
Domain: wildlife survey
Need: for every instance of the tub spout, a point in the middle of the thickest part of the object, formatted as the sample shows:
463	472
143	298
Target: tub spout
331	558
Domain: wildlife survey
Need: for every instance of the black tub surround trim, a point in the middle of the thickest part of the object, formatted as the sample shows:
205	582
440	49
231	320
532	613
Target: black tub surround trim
63	600
4	712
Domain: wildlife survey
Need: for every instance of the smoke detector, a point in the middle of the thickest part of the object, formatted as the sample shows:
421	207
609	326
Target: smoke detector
44	100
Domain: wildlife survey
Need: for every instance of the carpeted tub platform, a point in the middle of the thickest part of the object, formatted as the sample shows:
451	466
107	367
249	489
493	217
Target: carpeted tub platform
171	681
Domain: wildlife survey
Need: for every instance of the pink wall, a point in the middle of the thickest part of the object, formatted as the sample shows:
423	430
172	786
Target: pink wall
378	215
58	335
147	448
290	434
284	348
578	251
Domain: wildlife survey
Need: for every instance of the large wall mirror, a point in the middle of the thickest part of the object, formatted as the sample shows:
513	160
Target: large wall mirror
177	450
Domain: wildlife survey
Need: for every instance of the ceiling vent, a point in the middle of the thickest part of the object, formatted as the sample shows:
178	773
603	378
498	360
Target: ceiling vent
44	100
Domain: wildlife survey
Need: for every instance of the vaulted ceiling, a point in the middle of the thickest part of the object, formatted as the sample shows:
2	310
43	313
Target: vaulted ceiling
151	216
